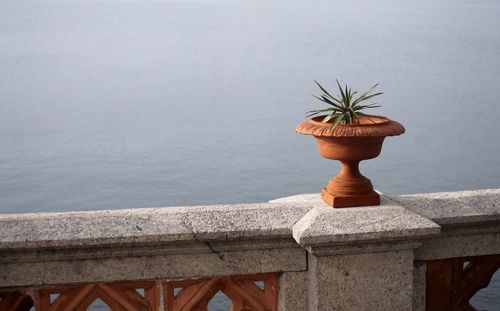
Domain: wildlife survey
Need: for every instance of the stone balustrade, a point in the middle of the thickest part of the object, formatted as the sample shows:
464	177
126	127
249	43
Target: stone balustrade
293	253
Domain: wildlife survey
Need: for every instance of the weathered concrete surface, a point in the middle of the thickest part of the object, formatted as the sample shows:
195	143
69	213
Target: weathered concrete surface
324	225
469	220
451	246
310	198
149	225
140	250
419	278
361	258
293	290
46	272
447	208
151	243
373	281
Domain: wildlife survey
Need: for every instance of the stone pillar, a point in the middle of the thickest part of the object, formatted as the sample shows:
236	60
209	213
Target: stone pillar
361	258
419	271
293	295
372	281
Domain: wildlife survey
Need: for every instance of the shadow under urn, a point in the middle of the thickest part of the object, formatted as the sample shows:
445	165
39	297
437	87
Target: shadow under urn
350	144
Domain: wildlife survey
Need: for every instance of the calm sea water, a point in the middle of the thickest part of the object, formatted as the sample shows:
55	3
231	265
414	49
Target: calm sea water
124	103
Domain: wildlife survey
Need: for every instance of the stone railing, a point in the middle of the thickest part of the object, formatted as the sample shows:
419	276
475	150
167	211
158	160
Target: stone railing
426	251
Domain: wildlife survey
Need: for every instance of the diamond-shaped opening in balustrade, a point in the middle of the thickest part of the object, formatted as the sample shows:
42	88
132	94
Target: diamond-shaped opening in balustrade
488	298
98	305
177	290
53	297
260	284
466	265
140	291
219	302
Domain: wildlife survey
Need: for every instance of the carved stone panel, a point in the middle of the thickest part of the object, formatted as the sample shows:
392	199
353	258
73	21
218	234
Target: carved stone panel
451	283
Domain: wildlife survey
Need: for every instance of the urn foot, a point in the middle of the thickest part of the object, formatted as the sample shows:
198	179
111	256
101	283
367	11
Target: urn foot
370	198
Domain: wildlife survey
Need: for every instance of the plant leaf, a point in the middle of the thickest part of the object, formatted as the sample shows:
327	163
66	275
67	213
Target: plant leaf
369	90
315	112
328	118
356	108
366	97
326	100
327	93
337	121
372	115
348	96
323	89
321	110
342	94
312	114
348	118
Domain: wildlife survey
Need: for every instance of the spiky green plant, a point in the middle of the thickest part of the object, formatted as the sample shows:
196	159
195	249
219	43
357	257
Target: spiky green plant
346	108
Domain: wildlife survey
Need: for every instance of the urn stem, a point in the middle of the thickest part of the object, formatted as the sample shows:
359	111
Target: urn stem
349	170
349	181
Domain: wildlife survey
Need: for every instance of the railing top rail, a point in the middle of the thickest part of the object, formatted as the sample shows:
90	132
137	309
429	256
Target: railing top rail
454	208
304	218
149	225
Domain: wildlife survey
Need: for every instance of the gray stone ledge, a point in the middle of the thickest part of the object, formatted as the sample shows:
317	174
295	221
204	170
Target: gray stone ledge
459	246
149	226
361	248
42	273
324	225
452	208
119	251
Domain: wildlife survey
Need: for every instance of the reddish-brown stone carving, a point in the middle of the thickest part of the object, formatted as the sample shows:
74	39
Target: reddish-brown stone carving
15	301
451	283
118	296
350	144
245	295
193	295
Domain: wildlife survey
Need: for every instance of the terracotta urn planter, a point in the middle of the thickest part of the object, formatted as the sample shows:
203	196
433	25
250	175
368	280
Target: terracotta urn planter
350	144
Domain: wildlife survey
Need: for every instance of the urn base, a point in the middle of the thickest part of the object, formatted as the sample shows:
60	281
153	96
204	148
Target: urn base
370	198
